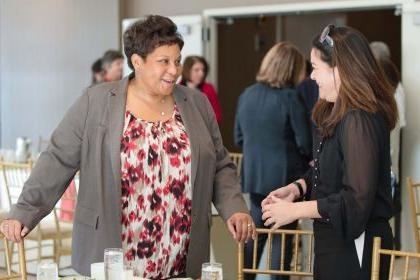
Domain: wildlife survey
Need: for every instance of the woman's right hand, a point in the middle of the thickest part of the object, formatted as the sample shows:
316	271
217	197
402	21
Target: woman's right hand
13	230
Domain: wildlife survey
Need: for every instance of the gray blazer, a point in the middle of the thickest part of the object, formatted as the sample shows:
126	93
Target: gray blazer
88	138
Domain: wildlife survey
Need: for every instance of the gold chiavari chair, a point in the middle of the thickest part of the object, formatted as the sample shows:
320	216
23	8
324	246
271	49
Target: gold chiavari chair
297	267
22	261
237	160
413	197
393	254
14	177
2	214
2	217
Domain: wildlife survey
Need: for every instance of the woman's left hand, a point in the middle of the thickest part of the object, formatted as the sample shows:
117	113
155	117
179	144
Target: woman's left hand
242	227
278	213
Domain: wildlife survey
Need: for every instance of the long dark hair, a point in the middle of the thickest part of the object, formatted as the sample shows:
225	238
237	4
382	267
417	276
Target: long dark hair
363	82
391	72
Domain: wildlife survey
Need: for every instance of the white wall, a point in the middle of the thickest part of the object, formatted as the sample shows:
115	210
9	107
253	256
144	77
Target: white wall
47	47
137	8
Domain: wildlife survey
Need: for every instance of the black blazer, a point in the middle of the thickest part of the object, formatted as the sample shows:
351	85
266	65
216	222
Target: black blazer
272	129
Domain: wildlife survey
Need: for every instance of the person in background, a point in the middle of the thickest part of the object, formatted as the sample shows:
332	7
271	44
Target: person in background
97	72
350	184
112	65
308	89
272	129
151	161
194	73
383	55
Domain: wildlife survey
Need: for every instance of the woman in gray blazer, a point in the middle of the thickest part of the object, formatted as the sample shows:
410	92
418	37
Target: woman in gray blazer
151	161
272	129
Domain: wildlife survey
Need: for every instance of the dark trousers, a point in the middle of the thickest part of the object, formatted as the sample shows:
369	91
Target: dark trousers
337	259
256	213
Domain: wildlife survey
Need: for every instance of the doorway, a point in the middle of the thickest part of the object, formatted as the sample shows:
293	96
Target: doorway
242	42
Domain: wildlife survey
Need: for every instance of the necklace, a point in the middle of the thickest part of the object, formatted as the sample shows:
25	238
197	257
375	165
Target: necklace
162	101
151	104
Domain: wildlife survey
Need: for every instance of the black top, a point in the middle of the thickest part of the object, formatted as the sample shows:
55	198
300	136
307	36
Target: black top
351	175
272	129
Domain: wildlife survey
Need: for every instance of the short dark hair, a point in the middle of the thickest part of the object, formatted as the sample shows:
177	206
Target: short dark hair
97	66
143	36
110	56
188	65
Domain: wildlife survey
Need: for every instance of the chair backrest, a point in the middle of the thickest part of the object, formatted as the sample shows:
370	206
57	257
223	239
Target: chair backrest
414	198
407	256
237	160
14	177
22	261
298	266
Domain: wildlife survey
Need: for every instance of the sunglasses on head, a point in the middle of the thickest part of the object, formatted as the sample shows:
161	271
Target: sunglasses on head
325	38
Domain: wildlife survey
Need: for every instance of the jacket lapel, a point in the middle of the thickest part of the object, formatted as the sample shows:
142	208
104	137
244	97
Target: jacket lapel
116	108
183	102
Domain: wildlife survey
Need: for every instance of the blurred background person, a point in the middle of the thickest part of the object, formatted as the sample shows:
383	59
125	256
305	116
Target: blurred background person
383	55
97	72
272	129
112	65
308	89
194	74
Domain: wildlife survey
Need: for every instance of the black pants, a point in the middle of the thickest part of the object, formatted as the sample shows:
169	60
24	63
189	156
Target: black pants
337	259
256	213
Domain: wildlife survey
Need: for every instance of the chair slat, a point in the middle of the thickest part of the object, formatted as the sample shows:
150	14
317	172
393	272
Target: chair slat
281	233
376	258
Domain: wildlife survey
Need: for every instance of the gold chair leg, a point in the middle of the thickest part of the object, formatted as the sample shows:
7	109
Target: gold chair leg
7	257
39	250
240	261
22	260
57	252
11	251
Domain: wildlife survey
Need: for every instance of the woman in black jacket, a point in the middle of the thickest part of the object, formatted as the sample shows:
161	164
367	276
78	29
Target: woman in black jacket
350	182
272	129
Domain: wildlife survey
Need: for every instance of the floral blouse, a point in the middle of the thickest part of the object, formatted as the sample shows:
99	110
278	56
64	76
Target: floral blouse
156	196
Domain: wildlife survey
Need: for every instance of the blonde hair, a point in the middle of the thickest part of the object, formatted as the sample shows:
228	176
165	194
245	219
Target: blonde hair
282	66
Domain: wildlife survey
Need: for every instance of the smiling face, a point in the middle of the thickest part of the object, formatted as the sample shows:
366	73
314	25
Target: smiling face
327	77
158	73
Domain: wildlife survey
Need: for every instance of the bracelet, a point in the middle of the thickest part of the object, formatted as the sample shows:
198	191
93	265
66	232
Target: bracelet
299	186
